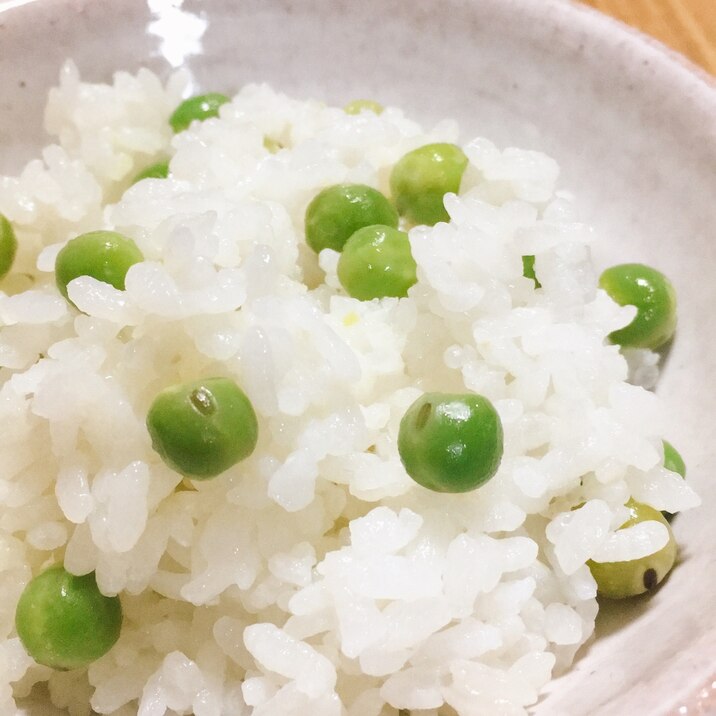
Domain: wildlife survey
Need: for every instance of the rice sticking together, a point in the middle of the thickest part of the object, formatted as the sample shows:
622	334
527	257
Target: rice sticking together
314	576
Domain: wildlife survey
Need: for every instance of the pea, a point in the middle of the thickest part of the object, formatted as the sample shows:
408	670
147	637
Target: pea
363	105
376	262
8	246
64	621
451	442
272	145
198	108
337	212
160	170
202	428
655	300
420	180
673	460
618	580
528	269
104	255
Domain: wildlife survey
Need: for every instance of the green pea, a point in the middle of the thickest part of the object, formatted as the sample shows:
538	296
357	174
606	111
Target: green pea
376	262
363	105
64	621
160	170
8	246
451	442
202	428
272	145
528	269
618	580
420	180
104	255
673	460
337	212
655	300
198	108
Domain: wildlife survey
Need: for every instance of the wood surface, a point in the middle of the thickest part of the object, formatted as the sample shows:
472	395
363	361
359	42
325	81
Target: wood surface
688	26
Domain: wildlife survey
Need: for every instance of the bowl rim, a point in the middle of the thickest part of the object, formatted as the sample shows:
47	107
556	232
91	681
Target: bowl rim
674	67
599	24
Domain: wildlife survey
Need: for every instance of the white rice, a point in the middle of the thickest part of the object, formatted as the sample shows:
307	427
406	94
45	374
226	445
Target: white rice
315	577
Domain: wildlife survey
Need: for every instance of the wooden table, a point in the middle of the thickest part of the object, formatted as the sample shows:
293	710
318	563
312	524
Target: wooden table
688	26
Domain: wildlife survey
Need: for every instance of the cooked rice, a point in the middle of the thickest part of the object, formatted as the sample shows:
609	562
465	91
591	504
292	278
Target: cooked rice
316	576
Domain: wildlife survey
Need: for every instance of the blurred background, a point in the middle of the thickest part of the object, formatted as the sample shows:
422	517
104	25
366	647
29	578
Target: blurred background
688	26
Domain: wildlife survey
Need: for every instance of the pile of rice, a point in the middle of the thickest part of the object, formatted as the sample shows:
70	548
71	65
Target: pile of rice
315	577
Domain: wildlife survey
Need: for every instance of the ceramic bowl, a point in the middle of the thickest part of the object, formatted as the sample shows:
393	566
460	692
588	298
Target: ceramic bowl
633	126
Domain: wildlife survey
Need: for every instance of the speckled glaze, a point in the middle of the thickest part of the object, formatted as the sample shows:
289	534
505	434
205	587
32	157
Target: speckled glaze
633	126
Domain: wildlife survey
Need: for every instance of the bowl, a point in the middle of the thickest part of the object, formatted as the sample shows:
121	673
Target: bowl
631	123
